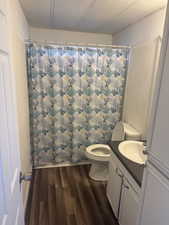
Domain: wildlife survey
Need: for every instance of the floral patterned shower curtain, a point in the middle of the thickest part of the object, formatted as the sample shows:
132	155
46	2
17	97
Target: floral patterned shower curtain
75	96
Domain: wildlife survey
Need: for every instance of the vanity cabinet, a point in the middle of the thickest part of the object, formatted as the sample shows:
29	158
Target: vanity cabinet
123	193
129	205
114	187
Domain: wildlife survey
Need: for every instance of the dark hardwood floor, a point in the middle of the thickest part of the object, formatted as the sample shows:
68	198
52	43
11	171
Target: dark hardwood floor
67	196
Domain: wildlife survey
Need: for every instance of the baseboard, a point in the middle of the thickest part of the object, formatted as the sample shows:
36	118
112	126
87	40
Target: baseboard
63	165
28	199
27	191
26	194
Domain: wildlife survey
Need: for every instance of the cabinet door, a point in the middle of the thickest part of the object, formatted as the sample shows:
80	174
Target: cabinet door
114	187
155	199
129	205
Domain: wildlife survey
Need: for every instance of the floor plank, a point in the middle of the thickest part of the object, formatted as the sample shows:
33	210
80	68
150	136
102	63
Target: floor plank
67	196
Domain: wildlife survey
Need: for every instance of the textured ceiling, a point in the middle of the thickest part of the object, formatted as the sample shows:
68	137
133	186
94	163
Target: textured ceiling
100	16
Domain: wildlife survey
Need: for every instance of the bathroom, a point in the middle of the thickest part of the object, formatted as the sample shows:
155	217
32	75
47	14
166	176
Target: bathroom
81	111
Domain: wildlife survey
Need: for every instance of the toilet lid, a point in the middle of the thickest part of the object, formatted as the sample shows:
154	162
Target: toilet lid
99	150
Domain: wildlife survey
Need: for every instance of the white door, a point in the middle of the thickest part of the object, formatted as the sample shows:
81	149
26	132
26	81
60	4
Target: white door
129	205
11	209
155	202
159	125
114	187
159	139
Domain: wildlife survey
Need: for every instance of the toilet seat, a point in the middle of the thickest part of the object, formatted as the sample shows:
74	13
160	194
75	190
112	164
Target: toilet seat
99	152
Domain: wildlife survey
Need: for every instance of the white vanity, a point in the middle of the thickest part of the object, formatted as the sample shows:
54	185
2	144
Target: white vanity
124	187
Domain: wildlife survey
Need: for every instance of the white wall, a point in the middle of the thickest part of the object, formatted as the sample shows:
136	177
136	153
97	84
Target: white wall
69	36
144	30
139	81
19	31
140	85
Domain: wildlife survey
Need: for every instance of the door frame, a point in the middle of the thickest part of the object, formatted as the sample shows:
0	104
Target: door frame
12	205
163	67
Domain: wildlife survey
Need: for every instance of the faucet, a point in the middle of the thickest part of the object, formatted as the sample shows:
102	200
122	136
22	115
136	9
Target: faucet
144	142
145	145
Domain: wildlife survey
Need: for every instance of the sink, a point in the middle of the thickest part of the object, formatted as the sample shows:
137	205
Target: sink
133	150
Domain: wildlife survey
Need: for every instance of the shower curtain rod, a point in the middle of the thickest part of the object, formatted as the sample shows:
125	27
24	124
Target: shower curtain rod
76	44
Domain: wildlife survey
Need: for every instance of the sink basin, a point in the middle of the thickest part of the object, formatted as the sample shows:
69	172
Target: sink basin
133	150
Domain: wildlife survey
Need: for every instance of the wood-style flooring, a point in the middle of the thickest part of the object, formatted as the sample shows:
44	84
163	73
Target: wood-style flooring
67	196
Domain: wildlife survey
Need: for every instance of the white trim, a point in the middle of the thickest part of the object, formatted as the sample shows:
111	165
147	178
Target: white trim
27	189
63	165
28	184
14	180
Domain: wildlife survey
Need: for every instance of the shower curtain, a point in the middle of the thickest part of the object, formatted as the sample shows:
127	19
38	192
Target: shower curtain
75	96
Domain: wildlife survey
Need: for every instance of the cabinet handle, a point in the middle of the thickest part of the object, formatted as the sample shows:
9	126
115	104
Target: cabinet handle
126	186
120	175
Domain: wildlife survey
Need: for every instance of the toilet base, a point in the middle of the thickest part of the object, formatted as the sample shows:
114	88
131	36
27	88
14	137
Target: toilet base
99	171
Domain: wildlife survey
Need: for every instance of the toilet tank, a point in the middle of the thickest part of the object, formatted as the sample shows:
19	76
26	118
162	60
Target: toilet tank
131	133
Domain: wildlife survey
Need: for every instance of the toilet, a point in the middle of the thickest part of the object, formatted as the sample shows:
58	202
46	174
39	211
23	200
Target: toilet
99	154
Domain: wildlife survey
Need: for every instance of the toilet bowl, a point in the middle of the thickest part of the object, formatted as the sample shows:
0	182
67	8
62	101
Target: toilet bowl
99	155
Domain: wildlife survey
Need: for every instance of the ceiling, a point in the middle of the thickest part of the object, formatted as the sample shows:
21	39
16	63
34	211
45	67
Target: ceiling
99	16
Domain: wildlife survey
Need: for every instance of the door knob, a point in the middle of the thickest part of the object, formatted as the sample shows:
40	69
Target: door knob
119	174
23	177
